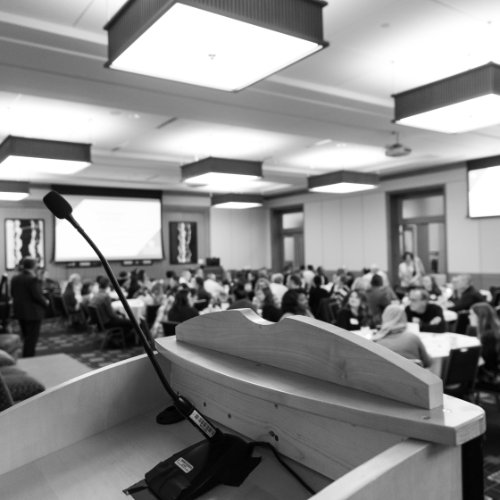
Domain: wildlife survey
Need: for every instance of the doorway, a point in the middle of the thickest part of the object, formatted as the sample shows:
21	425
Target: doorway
287	238
418	225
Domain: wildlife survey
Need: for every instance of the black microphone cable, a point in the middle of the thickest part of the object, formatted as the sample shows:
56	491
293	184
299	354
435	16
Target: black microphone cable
63	210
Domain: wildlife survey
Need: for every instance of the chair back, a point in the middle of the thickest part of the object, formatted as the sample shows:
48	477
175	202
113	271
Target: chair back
327	310
460	375
151	311
169	328
96	317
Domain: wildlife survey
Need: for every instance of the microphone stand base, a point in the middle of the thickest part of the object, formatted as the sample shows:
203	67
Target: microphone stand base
170	415
188	474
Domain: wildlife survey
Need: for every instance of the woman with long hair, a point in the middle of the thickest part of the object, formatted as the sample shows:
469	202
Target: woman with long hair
484	323
394	335
429	283
354	313
266	304
294	302
182	309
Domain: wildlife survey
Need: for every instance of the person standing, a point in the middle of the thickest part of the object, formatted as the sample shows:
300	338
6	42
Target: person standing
410	271
29	304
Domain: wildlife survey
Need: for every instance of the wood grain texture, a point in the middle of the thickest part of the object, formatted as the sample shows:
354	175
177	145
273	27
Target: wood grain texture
77	409
412	470
315	349
328	446
101	466
454	423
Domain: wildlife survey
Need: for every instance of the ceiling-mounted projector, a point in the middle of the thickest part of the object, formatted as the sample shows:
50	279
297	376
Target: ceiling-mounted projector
397	149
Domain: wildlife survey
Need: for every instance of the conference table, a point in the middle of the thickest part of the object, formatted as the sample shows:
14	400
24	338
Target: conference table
339	407
137	306
438	346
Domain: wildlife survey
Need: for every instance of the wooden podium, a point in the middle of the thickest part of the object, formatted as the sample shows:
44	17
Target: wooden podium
356	420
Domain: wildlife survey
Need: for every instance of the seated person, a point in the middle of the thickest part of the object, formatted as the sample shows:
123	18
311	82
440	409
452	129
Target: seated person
277	287
316	293
428	316
294	302
379	296
395	336
241	299
201	297
88	290
213	286
110	317
354	313
429	284
72	299
266	304
182	309
293	281
464	295
340	288
484	324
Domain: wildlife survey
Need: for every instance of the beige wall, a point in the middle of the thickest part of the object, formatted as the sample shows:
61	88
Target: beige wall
196	211
349	230
240	238
352	230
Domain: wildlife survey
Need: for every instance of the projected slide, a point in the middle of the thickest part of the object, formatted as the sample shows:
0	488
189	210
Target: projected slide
123	229
484	198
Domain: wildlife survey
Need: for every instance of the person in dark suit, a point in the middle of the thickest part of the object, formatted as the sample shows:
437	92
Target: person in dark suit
29	304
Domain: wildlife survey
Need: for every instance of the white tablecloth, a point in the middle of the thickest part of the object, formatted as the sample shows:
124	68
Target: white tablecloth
438	345
137	306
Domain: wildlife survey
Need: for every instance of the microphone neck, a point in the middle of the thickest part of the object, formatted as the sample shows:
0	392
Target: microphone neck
185	407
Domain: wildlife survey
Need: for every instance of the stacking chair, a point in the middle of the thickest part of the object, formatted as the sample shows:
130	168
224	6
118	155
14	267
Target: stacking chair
327	310
460	375
462	321
151	312
58	310
169	328
115	332
490	388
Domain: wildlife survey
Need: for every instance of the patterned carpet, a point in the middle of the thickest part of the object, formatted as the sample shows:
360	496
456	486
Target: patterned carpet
56	337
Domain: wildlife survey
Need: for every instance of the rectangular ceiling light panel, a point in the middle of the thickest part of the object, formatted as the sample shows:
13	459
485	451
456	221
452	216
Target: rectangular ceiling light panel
25	156
14	191
342	181
221	173
237	201
213	44
463	102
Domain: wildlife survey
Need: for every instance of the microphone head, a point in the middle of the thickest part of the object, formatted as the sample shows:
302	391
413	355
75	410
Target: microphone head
57	205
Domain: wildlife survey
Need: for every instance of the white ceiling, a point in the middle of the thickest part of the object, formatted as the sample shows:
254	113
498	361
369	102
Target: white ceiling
329	112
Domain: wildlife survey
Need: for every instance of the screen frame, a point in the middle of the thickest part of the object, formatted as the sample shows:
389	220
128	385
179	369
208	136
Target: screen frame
108	193
479	164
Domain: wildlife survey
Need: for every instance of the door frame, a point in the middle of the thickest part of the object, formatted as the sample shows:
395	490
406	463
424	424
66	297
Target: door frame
394	202
277	234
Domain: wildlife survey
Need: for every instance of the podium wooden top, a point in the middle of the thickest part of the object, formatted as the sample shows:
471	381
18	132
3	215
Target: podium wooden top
453	423
316	349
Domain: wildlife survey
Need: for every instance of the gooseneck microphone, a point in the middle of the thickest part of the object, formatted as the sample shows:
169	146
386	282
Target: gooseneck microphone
220	459
63	210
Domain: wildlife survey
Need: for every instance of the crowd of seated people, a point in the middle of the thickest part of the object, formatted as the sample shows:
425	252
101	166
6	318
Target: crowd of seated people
351	301
340	299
